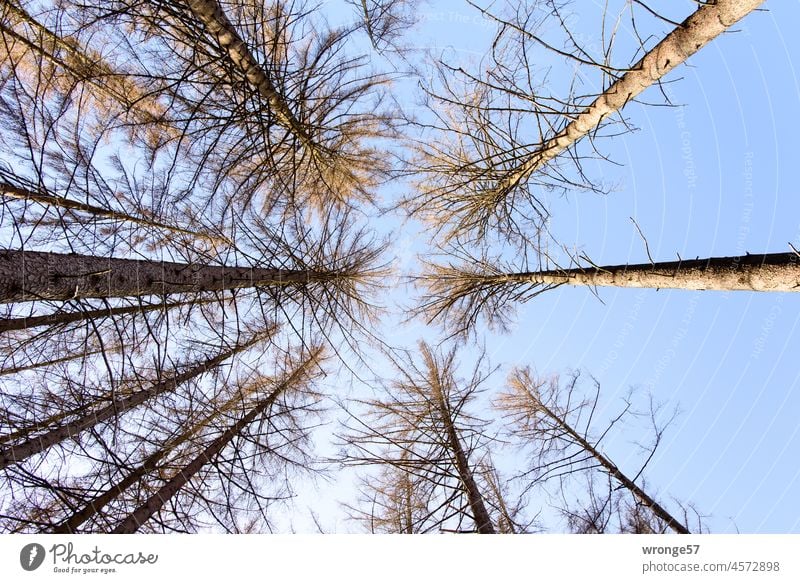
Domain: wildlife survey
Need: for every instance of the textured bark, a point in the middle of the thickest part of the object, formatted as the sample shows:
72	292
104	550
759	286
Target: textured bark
9	324
153	504
11	191
483	521
17	453
708	22
772	272
213	17
151	463
32	275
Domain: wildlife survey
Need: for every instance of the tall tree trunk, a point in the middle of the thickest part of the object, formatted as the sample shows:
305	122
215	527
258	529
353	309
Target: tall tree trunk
709	21
42	197
772	272
505	524
407	492
658	510
368	24
153	504
35	275
17	453
9	324
483	521
51	420
213	17
151	463
52	361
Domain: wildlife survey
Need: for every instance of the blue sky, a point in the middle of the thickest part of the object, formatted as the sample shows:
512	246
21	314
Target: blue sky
713	176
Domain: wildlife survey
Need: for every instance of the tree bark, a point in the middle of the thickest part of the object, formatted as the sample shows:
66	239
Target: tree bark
49	421
34	275
483	521
71	524
213	17
16	192
611	468
153	504
771	272
50	362
705	24
17	453
10	324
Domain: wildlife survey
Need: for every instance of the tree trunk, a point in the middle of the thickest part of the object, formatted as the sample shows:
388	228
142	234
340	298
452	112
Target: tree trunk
611	468
151	463
34	275
483	521
9	324
772	272
506	522
407	492
213	17
17	453
43	363
153	504
705	24
11	191
51	420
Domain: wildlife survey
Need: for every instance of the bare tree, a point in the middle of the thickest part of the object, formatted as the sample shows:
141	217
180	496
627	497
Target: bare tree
273	106
462	293
310	276
15	188
126	466
501	137
16	453
68	317
700	28
554	421
395	501
35	275
17	368
385	21
437	474
36	52
258	408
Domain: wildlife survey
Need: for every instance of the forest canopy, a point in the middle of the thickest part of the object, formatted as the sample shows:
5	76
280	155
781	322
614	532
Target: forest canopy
275	266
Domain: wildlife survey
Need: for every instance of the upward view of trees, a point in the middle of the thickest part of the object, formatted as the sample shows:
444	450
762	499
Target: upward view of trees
482	171
197	264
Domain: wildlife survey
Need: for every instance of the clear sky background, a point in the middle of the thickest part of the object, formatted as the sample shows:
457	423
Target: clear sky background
713	176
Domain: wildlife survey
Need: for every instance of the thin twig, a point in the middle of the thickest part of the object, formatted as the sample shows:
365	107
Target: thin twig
646	246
